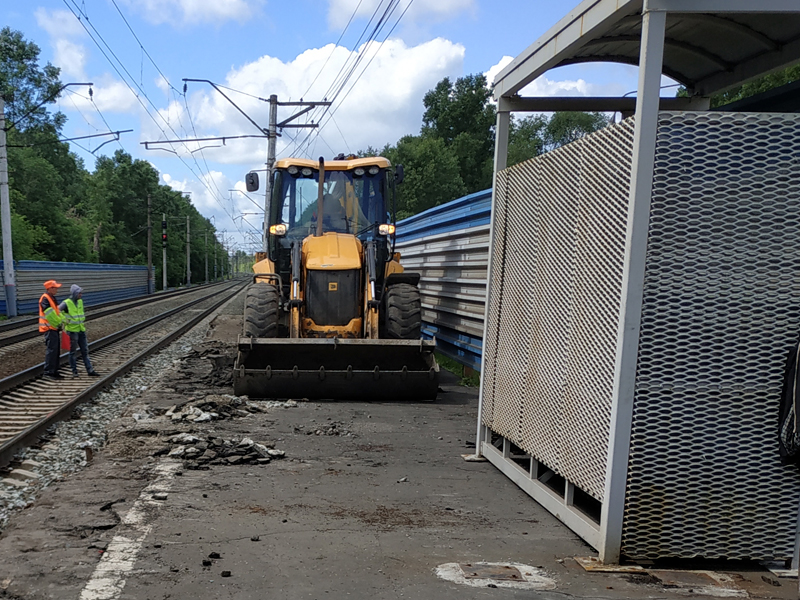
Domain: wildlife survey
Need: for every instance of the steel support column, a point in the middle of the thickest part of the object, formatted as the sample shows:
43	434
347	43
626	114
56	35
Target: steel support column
644	147
9	276
500	163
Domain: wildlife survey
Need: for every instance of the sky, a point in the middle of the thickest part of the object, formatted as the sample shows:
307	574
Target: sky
137	53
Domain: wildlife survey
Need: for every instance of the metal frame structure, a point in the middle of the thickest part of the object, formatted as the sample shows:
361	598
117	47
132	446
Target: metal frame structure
707	45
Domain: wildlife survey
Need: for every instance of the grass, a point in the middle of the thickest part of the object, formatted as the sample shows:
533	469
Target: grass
469	377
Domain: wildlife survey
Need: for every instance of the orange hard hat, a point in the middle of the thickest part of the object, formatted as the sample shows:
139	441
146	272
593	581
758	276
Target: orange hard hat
51	283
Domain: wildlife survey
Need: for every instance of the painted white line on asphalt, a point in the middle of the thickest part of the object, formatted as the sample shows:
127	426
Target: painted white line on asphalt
108	578
531	578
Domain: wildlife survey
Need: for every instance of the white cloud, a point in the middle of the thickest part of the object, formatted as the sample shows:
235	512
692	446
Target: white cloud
71	57
108	95
340	11
63	28
544	86
384	104
495	69
58	23
191	12
162	84
212	197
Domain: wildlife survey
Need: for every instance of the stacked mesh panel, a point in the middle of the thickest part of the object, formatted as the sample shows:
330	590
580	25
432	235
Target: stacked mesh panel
556	284
721	309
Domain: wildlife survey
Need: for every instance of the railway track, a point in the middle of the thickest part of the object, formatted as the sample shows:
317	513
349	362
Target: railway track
10	333
30	403
24	349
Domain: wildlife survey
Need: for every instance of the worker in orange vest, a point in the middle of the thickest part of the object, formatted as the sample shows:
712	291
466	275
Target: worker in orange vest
50	324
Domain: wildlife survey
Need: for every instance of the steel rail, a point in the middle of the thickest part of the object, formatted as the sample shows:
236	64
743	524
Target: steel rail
106	308
31	433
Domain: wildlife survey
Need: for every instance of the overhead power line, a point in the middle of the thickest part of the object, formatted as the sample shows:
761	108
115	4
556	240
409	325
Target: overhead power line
94	35
307	141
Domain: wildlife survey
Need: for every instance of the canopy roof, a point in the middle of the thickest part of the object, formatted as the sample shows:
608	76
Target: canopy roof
710	45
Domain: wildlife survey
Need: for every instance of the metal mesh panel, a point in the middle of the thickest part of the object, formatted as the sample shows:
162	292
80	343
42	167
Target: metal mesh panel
597	285
721	310
489	369
560	248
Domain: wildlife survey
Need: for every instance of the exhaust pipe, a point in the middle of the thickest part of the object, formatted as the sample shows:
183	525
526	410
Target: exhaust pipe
320	194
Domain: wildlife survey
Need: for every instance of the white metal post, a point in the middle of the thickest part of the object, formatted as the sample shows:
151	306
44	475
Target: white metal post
271	148
206	245
638	221
500	163
163	255
9	278
150	280
188	256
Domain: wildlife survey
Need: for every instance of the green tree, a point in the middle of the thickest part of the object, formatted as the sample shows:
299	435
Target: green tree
565	127
526	138
462	116
757	86
23	84
44	176
431	174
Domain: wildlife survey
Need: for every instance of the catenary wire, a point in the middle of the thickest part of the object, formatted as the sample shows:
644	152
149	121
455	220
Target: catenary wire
137	96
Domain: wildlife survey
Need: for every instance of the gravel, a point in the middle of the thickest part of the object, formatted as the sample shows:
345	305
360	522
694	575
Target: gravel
65	451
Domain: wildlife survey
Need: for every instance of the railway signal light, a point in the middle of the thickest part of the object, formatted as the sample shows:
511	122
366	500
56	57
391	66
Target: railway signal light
163	234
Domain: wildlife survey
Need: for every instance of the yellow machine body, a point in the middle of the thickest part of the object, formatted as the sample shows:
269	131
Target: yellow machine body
316	316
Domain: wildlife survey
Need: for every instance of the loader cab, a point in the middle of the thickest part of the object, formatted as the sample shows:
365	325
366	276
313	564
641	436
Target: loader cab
358	197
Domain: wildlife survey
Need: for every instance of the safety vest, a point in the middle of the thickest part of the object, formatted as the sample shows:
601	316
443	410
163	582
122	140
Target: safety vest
49	319
75	318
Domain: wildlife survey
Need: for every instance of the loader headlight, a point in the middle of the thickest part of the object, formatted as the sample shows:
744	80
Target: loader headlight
279	229
293	170
358	172
386	229
373	170
306	172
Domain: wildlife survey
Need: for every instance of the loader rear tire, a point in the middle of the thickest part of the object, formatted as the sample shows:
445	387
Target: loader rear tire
261	311
403	312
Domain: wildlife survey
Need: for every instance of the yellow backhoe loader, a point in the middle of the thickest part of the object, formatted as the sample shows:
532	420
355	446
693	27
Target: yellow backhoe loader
331	313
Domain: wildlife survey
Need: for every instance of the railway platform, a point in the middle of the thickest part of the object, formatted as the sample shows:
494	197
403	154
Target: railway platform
191	493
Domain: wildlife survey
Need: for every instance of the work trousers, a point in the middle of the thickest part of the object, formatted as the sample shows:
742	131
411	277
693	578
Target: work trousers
52	342
77	339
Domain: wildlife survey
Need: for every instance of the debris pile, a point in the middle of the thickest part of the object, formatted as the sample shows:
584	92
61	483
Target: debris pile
199	452
221	406
331	428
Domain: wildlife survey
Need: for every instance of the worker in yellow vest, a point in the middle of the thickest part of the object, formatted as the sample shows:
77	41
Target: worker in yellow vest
75	326
50	323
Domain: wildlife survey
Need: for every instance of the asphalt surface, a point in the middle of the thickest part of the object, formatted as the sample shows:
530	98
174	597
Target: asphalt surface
369	507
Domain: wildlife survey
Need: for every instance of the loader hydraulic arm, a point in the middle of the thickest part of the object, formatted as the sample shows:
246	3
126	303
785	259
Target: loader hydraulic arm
372	267
296	258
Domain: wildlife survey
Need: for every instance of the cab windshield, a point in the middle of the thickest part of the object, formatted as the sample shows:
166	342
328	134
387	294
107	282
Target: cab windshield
351	204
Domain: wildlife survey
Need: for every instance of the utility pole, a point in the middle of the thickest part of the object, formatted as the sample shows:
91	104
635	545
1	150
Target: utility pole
164	252
271	145
188	256
215	258
150	281
9	278
206	236
272	132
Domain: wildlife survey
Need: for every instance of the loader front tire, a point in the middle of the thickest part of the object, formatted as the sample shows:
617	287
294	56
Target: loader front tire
403	312
261	311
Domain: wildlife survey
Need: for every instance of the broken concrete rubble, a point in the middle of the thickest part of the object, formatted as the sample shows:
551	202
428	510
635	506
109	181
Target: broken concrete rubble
213	450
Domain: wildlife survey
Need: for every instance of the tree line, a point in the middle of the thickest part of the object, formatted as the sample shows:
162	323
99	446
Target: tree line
60	211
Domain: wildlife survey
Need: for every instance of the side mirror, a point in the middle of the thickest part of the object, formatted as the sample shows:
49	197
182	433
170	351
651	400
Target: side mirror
251	181
399	174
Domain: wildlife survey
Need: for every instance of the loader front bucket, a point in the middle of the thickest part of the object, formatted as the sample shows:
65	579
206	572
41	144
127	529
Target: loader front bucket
338	369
